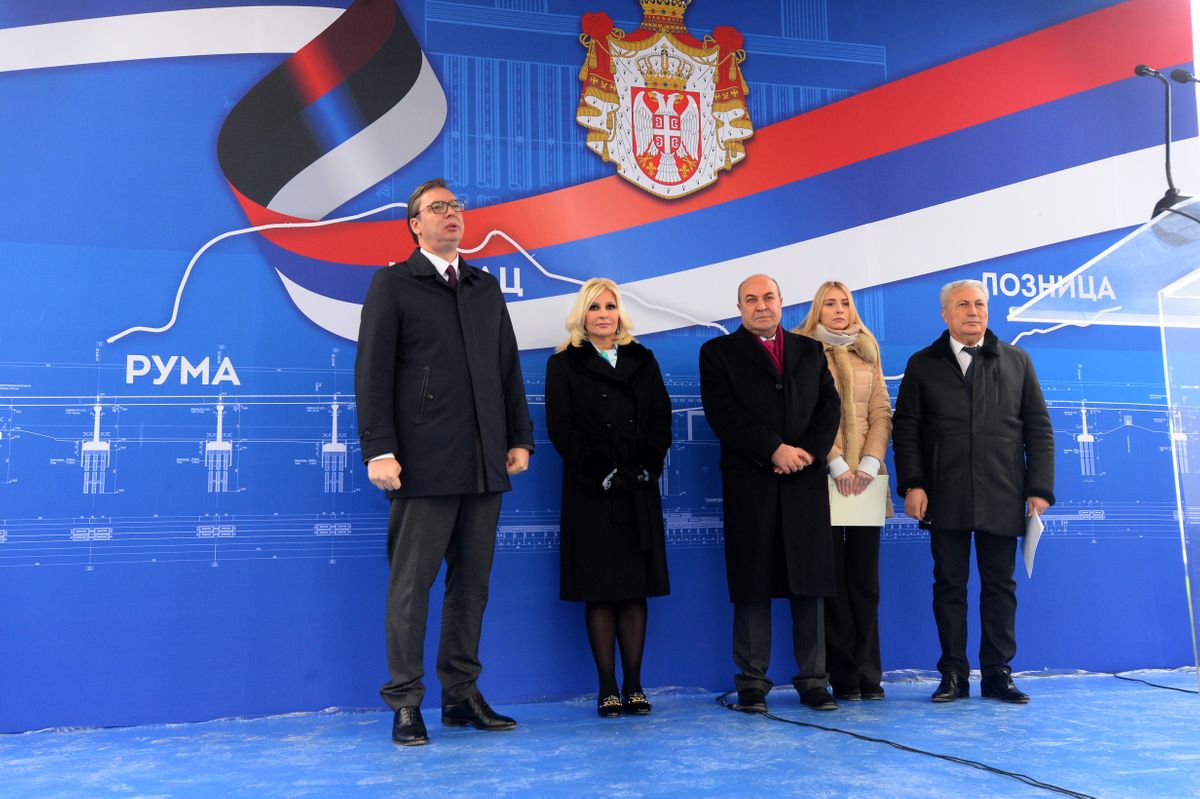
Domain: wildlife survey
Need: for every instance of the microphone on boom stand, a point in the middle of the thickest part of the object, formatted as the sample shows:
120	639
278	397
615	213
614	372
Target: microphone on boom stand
1172	197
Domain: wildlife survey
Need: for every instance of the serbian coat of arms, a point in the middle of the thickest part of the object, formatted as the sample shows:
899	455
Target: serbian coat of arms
667	108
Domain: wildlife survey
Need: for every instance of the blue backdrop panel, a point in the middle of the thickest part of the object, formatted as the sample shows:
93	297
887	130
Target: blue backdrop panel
186	530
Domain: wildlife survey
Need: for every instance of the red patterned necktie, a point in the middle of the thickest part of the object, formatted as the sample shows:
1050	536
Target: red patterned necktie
451	276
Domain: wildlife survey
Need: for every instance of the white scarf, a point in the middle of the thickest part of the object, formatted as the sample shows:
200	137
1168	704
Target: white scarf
862	346
835	339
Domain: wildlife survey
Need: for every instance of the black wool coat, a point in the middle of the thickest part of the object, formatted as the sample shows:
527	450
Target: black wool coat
978	449
611	543
777	535
438	371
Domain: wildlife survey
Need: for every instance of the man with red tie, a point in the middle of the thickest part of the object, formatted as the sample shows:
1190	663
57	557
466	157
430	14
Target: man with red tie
443	423
771	401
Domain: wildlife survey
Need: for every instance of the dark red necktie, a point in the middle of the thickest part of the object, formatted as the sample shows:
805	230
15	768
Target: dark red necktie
451	276
772	347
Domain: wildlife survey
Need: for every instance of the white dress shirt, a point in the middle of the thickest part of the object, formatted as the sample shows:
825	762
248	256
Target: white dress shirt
964	359
441	264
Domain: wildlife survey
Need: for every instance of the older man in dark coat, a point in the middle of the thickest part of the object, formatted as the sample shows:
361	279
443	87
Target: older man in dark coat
974	453
443	422
771	400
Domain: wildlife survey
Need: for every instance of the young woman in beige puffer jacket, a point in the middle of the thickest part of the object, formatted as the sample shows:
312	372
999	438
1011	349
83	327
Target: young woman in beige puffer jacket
855	461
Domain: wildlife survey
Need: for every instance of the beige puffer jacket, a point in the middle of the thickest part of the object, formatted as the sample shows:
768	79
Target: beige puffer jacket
866	424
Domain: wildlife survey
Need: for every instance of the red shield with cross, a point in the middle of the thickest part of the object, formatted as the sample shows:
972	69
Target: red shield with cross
666	133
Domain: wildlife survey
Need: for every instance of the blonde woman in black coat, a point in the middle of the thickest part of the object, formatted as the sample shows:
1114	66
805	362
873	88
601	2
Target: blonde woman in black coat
609	416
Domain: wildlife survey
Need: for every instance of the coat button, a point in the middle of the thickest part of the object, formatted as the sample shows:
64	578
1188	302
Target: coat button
603	395
428	396
606	424
630	421
778	385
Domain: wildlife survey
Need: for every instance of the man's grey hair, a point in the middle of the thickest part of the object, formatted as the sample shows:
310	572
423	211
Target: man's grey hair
955	285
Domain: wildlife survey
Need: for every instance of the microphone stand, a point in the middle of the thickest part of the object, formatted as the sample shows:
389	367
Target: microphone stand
1172	196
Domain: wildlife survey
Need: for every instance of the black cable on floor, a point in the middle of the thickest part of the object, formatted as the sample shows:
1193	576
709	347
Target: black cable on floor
723	701
1121	676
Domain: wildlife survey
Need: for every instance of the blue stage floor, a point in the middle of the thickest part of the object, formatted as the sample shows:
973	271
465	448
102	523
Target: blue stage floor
1090	734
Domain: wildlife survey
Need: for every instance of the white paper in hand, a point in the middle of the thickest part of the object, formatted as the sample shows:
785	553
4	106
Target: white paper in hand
1033	534
862	510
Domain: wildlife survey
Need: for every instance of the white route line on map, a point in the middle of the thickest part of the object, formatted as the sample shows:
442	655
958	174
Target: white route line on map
326	222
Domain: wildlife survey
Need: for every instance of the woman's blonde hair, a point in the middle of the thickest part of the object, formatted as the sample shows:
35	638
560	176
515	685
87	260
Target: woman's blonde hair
588	293
809	326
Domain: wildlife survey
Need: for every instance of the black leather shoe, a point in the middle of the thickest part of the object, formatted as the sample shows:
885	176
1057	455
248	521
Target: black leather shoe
818	699
408	728
871	691
1000	686
608	707
847	695
637	704
752	700
952	687
475	711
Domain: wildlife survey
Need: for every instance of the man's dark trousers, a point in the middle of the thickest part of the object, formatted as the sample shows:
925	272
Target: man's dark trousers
421	532
996	558
752	643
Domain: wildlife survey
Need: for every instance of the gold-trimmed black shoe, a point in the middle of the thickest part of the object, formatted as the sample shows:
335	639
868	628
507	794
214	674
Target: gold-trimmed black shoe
637	704
608	707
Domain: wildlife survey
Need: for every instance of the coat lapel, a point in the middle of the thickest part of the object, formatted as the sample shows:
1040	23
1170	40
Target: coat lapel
629	360
942	351
466	271
420	266
753	349
792	352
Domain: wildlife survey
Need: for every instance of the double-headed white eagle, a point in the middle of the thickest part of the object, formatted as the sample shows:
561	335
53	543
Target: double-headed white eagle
688	133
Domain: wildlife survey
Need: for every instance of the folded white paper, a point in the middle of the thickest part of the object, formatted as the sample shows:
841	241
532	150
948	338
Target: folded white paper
1033	534
864	510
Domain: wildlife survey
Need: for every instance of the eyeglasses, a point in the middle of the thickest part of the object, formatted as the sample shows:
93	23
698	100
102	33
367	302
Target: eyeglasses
440	207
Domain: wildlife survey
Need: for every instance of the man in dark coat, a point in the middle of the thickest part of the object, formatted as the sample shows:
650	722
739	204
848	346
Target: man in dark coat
974	453
443	422
771	400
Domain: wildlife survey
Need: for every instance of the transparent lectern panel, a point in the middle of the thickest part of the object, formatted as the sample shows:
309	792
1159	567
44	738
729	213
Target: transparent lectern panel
1180	320
1121	285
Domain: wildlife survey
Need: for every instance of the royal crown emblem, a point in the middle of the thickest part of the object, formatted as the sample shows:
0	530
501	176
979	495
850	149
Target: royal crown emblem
668	109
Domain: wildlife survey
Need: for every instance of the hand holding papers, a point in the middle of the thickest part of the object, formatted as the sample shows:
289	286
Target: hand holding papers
1033	533
861	510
